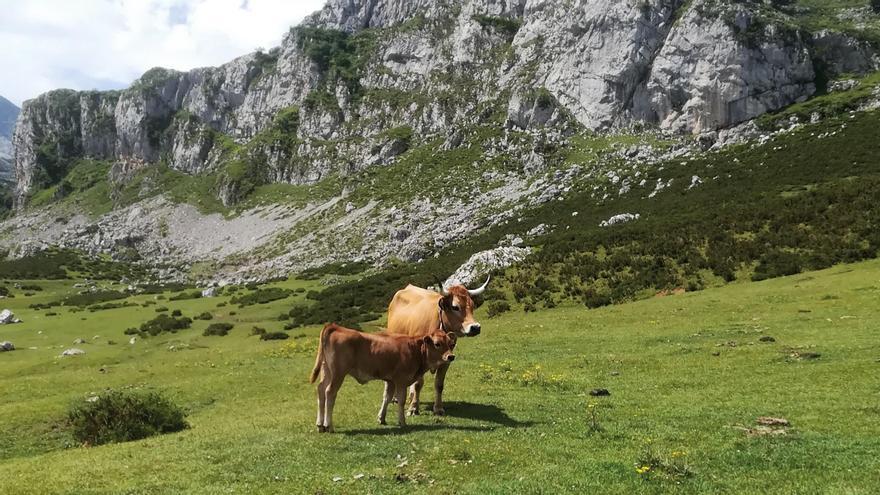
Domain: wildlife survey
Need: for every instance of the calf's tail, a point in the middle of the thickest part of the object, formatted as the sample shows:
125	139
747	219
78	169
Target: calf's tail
319	359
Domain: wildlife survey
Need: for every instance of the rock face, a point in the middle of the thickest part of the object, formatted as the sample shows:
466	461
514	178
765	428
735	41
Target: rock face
8	115
484	262
324	102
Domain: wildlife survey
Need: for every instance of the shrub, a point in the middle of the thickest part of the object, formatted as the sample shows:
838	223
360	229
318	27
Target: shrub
274	336
218	329
165	323
124	416
258	331
261	296
31	287
496	308
176	312
205	316
186	295
875	6
161	309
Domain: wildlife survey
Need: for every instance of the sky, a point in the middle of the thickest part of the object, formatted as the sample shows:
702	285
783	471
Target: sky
107	44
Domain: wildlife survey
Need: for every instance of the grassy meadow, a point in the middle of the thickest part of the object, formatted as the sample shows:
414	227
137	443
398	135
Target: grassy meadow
688	376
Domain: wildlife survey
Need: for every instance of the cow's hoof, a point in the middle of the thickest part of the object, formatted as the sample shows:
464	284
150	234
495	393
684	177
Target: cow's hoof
413	411
439	411
321	429
382	421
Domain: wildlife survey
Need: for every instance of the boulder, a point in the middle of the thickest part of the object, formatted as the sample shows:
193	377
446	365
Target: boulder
73	352
6	346
619	219
7	317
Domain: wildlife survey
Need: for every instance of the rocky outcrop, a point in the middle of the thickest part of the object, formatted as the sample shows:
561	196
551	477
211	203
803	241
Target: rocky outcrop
436	68
8	115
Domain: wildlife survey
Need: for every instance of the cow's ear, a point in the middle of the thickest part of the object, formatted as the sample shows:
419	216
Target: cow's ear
445	302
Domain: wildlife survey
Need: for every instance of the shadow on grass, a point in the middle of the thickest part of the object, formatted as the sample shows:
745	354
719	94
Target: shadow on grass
485	413
411	428
488	413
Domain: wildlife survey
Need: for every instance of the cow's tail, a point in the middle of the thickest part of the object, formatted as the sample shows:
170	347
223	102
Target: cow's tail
319	359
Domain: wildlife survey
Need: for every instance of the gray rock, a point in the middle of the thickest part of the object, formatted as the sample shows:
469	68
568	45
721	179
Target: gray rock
619	219
7	317
486	261
73	352
6	346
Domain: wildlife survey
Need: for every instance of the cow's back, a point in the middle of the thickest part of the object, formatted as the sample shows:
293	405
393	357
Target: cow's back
414	311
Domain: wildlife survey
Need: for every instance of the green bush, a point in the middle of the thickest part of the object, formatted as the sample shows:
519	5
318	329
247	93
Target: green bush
261	296
496	308
182	296
122	416
176	312
218	329
161	309
258	331
205	316
274	336
165	323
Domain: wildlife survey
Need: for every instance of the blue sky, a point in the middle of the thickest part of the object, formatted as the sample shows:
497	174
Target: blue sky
106	44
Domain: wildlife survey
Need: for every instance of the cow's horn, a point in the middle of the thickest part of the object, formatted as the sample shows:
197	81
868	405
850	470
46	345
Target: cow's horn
477	292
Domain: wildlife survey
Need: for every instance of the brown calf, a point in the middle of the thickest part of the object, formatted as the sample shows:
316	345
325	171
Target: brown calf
398	360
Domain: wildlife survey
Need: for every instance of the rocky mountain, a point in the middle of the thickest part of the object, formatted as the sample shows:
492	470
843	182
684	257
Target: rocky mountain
8	115
477	98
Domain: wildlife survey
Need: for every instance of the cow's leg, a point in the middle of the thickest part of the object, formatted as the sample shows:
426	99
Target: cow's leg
386	398
332	390
401	401
438	390
414	396
322	401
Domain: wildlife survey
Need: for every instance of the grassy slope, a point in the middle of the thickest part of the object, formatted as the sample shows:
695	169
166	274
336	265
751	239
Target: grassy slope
520	431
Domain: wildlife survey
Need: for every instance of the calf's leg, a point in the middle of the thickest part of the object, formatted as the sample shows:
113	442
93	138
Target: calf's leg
322	401
401	400
439	381
414	396
332	389
386	398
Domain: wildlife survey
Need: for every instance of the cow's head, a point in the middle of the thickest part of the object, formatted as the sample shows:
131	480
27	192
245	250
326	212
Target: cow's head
457	310
439	347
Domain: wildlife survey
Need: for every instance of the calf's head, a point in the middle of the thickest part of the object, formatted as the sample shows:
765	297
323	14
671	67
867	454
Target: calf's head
457	310
439	347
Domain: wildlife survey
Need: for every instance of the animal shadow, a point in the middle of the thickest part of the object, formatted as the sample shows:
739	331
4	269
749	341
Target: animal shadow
488	413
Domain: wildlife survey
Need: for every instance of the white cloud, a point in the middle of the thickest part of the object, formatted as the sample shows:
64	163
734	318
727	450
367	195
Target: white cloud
101	44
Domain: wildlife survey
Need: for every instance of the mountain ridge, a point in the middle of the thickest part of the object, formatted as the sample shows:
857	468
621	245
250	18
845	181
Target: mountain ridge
371	117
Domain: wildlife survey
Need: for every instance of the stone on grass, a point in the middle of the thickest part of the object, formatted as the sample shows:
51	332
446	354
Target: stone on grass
73	351
6	346
7	317
600	392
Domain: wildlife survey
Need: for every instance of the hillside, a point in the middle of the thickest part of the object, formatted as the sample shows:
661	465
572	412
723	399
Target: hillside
348	140
688	376
8	114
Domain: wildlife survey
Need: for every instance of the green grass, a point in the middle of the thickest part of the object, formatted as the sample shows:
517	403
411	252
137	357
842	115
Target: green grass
512	427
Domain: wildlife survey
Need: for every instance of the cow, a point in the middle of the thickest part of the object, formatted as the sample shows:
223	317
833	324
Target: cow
398	360
417	312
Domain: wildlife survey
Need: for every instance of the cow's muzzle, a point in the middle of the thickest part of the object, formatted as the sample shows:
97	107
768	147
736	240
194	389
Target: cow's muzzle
450	358
472	330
